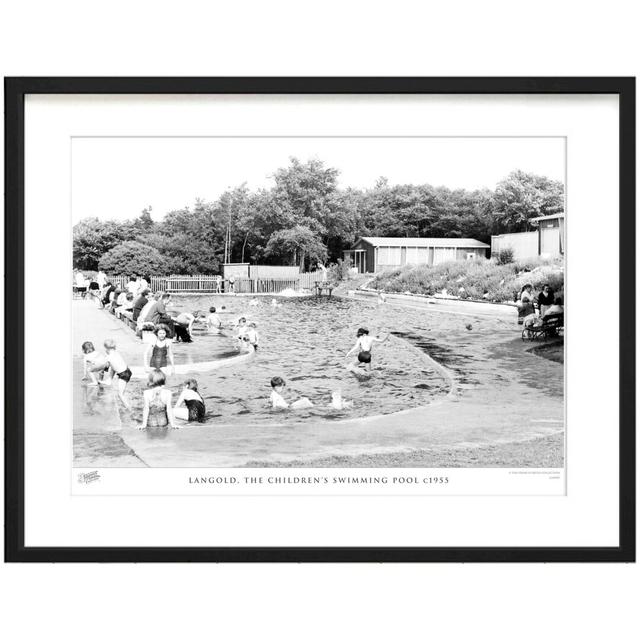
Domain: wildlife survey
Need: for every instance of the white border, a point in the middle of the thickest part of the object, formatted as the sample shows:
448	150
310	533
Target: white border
587	516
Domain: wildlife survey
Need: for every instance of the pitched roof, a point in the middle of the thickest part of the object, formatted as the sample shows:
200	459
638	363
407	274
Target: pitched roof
553	216
460	243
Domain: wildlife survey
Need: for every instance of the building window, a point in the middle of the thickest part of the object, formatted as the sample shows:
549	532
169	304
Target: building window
471	256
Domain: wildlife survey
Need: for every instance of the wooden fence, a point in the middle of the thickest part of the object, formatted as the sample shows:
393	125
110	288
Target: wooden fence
215	284
308	280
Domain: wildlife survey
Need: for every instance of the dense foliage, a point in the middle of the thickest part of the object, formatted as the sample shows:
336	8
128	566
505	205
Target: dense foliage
305	218
132	257
474	280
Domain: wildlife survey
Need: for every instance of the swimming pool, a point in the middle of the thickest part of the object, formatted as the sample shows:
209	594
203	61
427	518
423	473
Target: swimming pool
305	341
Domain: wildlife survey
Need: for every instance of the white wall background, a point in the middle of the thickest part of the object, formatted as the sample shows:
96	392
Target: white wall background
329	38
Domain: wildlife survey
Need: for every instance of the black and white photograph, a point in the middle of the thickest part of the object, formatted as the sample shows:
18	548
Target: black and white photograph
348	302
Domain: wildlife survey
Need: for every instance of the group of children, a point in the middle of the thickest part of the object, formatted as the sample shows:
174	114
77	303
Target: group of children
102	368
363	346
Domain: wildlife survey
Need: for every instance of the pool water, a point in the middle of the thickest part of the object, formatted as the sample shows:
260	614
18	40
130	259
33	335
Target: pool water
305	341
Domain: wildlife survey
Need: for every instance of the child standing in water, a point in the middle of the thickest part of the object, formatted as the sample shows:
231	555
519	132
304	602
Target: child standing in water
242	330
157	411
213	321
363	346
159	351
251	336
94	362
119	368
194	409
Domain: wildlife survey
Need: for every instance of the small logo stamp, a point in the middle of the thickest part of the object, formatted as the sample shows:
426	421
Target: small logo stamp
86	478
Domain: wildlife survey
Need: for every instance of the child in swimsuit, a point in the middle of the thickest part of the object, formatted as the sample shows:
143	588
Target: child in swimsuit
119	368
278	402
157	411
251	336
94	362
194	409
159	351
277	387
242	329
363	346
213	321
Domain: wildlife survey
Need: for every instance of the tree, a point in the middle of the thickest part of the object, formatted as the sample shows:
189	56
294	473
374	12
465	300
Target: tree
92	238
521	196
298	244
134	257
144	222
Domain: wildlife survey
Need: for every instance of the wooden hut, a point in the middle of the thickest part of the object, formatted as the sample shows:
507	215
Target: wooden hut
372	254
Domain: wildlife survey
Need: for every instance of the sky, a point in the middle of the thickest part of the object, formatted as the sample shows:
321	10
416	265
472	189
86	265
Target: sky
115	178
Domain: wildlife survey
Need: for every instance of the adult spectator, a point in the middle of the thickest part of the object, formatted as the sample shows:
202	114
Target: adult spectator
101	279
148	311
545	299
525	303
107	291
132	285
139	303
142	284
557	308
159	314
121	300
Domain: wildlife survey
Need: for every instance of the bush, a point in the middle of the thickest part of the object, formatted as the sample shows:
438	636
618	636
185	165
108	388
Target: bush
474	280
340	270
134	257
505	256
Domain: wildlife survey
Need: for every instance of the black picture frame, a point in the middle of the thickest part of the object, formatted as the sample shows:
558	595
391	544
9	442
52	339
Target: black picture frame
15	91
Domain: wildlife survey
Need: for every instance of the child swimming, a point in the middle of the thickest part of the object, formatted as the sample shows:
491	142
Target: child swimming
278	402
94	362
277	387
119	368
363	346
194	409
159	351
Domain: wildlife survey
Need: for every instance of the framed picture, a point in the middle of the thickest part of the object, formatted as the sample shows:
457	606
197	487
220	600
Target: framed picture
320	319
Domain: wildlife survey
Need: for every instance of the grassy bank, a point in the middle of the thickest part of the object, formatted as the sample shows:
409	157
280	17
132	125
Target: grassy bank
543	452
471	280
